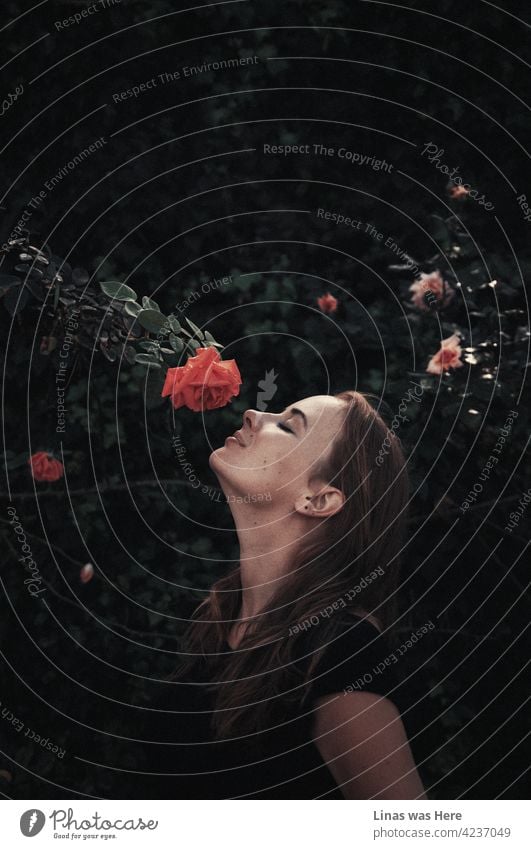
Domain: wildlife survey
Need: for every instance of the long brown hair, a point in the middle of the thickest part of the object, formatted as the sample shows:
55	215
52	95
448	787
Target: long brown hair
366	535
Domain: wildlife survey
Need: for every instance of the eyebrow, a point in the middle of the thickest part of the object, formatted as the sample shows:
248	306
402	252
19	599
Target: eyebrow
296	412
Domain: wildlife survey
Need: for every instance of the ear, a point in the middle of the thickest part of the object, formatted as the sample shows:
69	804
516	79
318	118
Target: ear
326	502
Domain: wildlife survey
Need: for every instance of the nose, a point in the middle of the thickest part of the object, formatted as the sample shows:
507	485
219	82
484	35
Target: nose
251	420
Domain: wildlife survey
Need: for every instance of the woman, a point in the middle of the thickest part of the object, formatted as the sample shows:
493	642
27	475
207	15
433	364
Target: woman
290	690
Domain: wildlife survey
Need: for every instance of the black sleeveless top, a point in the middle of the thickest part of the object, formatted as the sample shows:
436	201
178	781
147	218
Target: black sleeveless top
281	762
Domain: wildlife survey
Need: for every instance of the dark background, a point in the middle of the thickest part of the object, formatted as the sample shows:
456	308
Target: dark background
182	193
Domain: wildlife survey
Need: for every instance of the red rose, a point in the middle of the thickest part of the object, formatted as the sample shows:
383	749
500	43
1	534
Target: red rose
44	467
327	303
206	382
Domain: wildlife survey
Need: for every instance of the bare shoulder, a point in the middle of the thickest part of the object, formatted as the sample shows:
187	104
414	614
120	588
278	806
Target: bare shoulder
362	739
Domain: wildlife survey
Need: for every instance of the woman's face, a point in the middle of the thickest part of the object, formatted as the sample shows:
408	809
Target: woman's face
272	455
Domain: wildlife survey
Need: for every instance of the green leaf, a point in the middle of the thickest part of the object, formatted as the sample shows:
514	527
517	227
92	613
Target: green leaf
12	301
174	324
210	338
146	360
152	347
148	304
153	320
132	308
6	282
154	381
16	462
129	354
170	357
199	333
176	343
119	291
56	294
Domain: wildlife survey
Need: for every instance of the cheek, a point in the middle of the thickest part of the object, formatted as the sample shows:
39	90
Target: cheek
263	469
282	469
269	460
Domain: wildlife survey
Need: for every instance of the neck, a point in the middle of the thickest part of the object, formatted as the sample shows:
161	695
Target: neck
268	545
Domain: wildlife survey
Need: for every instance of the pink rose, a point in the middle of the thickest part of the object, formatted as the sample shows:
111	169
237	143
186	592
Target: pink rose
458	192
430	290
86	573
448	356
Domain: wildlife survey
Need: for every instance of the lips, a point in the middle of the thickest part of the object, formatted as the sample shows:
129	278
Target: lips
238	436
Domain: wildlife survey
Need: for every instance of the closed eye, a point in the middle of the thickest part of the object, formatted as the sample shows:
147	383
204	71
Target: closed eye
282	426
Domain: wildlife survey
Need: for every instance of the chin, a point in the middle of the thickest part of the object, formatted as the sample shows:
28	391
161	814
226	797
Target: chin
212	457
